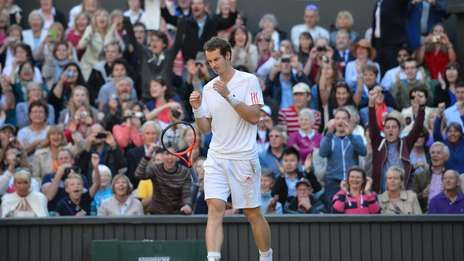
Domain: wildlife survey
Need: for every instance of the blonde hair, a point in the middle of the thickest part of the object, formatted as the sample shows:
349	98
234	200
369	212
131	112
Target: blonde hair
73	176
97	14
345	14
53	130
79	15
399	171
22	174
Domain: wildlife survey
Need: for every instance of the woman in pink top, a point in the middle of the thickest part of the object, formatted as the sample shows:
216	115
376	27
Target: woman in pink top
128	134
306	139
355	196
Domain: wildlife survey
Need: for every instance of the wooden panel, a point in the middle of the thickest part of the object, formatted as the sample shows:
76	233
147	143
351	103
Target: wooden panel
345	248
386	242
274	241
55	242
417	244
396	242
243	244
325	241
335	242
407	241
66	241
458	241
34	247
366	247
447	230
13	243
24	243
77	234
356	241
315	243
305	235
87	237
376	242
45	243
427	239
4	243
437	237
295	242
284	242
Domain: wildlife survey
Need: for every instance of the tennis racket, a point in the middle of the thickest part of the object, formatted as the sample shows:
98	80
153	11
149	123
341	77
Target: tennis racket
173	142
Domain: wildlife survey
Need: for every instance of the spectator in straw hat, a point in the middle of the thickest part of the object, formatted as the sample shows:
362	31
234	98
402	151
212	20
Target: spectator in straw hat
365	54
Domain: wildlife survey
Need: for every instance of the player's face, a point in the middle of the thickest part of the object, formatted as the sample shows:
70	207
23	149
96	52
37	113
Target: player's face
217	62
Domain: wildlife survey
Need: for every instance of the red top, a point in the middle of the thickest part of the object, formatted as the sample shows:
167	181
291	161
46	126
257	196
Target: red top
73	38
436	62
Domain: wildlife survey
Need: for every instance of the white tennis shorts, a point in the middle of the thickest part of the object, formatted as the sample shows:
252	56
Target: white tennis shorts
241	178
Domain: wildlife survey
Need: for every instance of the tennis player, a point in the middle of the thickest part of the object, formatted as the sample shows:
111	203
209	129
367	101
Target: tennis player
229	107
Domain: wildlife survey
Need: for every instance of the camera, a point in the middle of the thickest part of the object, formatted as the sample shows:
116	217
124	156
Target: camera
138	114
71	74
325	59
68	170
321	49
83	114
285	60
176	113
101	135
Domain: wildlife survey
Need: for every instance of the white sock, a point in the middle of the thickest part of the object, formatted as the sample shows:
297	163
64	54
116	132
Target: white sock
266	255
214	256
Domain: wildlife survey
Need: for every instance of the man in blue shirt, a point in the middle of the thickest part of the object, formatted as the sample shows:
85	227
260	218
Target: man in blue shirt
451	199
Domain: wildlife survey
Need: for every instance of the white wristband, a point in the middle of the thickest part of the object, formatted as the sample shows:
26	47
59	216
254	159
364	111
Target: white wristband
199	113
233	100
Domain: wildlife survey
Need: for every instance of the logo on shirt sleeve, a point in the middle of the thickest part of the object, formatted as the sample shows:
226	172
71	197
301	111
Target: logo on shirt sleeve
254	98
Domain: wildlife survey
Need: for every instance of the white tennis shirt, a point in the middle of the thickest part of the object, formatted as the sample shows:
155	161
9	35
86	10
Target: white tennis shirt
233	137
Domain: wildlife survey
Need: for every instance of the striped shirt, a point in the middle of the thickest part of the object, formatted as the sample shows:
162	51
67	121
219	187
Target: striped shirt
172	188
289	118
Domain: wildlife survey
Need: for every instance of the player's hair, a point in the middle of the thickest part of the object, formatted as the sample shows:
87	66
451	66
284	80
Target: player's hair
218	43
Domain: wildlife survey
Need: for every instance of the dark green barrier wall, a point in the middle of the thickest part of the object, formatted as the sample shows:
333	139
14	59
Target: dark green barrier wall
308	238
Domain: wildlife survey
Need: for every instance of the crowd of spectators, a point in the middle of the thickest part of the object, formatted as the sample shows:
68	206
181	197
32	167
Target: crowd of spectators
353	122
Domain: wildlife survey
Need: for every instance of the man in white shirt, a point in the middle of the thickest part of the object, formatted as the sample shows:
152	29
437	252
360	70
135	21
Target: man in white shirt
230	108
311	18
389	79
